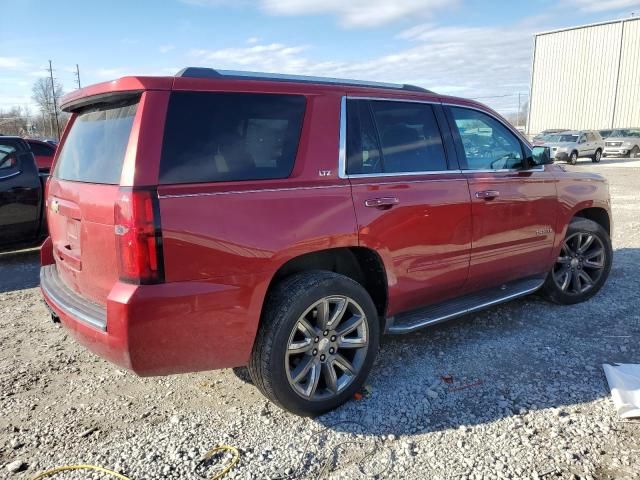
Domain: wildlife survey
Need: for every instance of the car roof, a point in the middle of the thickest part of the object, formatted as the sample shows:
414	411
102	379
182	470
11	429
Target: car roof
209	79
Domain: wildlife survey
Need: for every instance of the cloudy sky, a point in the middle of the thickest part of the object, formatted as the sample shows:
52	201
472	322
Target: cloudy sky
472	48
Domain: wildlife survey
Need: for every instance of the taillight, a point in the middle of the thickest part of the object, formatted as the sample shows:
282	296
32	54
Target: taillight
138	236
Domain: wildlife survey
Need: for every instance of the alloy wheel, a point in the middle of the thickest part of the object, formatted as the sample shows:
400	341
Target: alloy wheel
581	263
327	348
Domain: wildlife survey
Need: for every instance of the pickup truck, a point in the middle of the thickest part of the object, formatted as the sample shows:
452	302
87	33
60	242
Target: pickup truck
22	213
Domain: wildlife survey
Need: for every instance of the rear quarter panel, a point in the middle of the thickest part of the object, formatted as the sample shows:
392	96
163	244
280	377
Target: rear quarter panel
238	234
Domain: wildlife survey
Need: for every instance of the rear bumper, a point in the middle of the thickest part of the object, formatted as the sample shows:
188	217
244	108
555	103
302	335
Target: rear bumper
161	329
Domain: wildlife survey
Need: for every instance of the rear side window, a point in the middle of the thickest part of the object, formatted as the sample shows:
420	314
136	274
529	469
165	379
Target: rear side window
217	137
393	137
40	149
94	149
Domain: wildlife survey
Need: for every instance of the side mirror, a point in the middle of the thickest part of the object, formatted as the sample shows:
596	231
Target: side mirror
540	156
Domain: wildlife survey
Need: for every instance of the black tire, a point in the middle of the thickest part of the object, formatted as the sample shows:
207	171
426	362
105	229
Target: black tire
286	304
635	152
553	291
597	156
573	158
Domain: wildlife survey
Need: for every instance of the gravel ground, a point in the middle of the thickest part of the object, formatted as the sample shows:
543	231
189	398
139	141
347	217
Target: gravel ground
527	398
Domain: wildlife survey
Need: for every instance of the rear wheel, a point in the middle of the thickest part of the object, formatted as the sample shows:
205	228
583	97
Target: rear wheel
573	158
597	157
583	264
316	344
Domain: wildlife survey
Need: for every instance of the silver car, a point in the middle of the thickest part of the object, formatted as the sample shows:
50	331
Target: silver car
571	145
623	142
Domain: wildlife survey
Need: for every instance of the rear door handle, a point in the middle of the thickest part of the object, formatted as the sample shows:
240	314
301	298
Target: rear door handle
488	194
384	202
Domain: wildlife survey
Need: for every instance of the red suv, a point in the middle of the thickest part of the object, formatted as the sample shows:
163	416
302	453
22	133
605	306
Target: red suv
43	152
219	219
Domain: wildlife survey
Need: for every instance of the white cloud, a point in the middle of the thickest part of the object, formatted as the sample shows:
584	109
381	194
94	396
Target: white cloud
12	62
469	61
166	48
350	13
604	5
358	13
251	40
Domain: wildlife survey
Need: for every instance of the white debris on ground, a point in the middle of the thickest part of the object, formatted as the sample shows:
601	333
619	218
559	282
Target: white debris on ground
624	383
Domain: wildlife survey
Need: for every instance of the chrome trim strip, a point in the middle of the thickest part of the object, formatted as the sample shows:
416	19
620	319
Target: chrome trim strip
233	192
464	311
11	175
403	174
342	153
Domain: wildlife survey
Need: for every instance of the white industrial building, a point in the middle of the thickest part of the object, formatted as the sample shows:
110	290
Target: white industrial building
586	77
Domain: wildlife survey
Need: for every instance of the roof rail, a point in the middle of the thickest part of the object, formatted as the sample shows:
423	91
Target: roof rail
203	72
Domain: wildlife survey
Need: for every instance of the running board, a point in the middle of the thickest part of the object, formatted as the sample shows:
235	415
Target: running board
423	317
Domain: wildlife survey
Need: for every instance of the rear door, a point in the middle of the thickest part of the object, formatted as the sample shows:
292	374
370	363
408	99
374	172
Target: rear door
412	204
83	190
514	209
20	193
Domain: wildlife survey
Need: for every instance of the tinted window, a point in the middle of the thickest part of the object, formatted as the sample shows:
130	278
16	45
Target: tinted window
487	143
8	157
40	149
215	137
393	137
363	149
96	144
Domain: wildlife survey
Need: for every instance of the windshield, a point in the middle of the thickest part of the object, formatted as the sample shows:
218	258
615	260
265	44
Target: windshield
627	132
562	138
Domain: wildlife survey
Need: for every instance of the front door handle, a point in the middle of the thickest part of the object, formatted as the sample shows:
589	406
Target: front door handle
488	194
384	202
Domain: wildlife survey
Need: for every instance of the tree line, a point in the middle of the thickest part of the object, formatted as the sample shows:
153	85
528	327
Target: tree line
40	122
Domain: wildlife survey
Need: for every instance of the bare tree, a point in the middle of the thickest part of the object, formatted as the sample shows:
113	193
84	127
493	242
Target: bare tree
43	96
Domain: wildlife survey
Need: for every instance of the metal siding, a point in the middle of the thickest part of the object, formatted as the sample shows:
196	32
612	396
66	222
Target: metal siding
627	113
575	73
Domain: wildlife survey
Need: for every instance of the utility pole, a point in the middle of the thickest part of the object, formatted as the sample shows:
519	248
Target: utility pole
53	94
519	106
78	75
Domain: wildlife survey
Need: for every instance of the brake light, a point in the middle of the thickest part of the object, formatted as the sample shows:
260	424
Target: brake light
138	236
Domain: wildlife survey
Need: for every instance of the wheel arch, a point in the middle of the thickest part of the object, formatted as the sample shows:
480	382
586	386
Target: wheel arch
596	214
361	264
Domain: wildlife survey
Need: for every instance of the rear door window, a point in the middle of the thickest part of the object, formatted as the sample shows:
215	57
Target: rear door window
95	147
393	137
217	137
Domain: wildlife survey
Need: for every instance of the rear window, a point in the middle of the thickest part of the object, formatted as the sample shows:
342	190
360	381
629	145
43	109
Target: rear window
95	147
217	137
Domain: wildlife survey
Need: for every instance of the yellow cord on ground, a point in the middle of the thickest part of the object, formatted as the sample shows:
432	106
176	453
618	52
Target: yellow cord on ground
67	468
222	448
234	461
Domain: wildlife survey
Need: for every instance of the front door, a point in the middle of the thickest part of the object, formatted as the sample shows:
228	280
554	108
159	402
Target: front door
412	205
514	209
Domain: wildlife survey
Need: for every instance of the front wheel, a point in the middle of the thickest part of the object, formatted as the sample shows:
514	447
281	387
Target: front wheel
583	264
573	158
635	152
316	344
598	156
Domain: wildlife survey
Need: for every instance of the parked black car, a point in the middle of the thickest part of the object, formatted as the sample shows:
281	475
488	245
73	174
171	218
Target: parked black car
22	212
